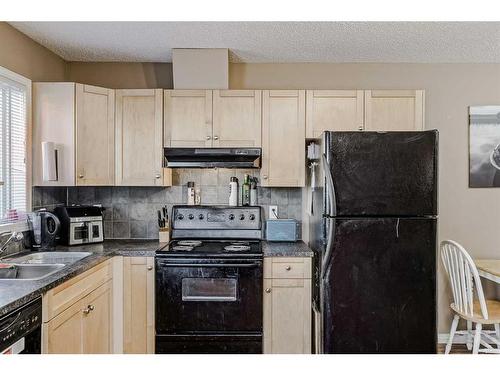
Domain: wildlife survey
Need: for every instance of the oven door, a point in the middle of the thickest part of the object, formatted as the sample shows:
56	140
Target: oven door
208	296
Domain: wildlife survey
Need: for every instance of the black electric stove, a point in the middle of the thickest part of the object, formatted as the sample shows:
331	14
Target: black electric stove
209	282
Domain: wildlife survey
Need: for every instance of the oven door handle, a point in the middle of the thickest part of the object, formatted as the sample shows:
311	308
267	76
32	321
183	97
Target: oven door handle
213	265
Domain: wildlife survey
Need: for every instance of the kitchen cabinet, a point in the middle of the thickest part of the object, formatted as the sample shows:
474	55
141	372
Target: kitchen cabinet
138	305
333	110
237	118
188	118
139	135
283	138
212	118
388	110
77	315
79	120
287	305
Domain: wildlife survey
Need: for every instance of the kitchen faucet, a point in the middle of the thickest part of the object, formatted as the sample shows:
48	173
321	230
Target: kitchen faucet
14	236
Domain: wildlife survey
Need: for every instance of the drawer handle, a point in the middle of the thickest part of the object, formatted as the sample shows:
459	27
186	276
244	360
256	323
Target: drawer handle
88	309
268	290
288	268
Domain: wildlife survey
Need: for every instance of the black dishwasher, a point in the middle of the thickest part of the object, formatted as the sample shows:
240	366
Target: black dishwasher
20	330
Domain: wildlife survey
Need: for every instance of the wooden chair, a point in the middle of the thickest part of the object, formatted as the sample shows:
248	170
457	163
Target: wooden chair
463	277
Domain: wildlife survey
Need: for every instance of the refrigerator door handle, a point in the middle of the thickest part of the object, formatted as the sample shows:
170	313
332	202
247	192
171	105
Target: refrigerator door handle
328	251
330	187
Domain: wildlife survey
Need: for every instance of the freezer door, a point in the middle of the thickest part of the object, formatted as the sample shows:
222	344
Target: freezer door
383	173
379	289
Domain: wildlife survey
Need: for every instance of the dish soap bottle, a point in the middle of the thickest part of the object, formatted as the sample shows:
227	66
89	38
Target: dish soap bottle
245	191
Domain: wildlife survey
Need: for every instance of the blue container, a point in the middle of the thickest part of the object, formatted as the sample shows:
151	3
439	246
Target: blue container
282	230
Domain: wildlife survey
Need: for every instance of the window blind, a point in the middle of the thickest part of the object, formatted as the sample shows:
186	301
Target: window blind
13	134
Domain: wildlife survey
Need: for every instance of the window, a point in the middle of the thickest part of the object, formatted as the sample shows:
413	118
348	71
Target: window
15	96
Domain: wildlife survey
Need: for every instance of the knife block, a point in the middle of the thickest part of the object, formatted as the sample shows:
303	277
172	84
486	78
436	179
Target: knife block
164	235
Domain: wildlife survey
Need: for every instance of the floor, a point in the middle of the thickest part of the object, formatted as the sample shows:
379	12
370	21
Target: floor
455	349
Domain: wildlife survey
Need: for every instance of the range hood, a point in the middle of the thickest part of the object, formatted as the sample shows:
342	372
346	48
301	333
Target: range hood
176	157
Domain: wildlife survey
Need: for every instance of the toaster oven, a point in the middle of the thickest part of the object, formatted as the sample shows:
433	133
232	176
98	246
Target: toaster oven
80	224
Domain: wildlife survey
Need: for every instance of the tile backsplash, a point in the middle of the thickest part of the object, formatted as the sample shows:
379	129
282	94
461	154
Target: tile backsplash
131	212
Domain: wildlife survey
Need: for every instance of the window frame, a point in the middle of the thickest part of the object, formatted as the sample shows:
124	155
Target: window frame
22	225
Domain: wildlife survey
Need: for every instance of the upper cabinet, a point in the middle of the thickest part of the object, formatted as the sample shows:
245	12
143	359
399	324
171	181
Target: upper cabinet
237	118
79	120
188	118
95	135
388	110
218	118
328	110
283	136
139	136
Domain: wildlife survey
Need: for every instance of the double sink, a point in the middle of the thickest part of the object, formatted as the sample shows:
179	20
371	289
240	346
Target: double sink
36	266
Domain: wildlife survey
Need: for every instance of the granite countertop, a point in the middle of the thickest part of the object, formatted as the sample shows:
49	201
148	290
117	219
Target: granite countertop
286	249
14	293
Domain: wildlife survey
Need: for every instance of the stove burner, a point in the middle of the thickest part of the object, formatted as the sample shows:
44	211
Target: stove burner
182	248
189	243
237	248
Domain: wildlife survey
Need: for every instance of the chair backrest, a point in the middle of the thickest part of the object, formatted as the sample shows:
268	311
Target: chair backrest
463	275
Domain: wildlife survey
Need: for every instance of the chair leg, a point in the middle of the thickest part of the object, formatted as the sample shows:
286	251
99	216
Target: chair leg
477	338
469	335
497	330
454	325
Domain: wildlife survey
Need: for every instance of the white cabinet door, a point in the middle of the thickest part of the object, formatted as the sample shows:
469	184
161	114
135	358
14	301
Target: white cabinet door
139	151
237	118
330	110
388	110
188	118
95	135
283	138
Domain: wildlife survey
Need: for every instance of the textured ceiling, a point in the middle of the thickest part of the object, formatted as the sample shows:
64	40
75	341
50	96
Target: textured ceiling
272	41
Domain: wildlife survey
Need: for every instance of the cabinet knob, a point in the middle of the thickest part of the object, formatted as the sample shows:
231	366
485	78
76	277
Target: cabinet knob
88	309
264	177
360	127
209	137
268	290
150	268
288	268
216	137
158	175
80	176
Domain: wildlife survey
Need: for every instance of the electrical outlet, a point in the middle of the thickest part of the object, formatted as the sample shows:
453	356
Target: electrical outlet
273	212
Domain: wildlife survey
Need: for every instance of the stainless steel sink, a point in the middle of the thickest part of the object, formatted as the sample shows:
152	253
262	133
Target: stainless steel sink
49	257
32	271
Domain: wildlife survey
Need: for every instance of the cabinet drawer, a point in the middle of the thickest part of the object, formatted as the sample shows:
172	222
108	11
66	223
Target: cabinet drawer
63	296
287	268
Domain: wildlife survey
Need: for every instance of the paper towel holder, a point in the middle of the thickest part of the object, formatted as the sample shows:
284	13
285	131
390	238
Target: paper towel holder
49	162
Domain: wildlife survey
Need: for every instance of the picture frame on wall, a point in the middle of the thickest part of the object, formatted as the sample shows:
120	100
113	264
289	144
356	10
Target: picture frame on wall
484	146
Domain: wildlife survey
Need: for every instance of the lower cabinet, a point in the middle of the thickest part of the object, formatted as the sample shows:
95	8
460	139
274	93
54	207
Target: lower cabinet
78	314
287	305
138	305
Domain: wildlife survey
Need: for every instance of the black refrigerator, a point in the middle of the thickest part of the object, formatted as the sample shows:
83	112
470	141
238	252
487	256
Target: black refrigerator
373	229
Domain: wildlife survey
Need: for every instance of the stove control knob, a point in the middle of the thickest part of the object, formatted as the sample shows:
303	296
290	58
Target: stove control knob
191	216
231	217
252	217
242	217
201	216
180	217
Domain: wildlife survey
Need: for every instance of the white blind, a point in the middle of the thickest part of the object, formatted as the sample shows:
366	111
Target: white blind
13	131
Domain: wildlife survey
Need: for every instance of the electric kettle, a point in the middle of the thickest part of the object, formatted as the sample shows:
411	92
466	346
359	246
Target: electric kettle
44	229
